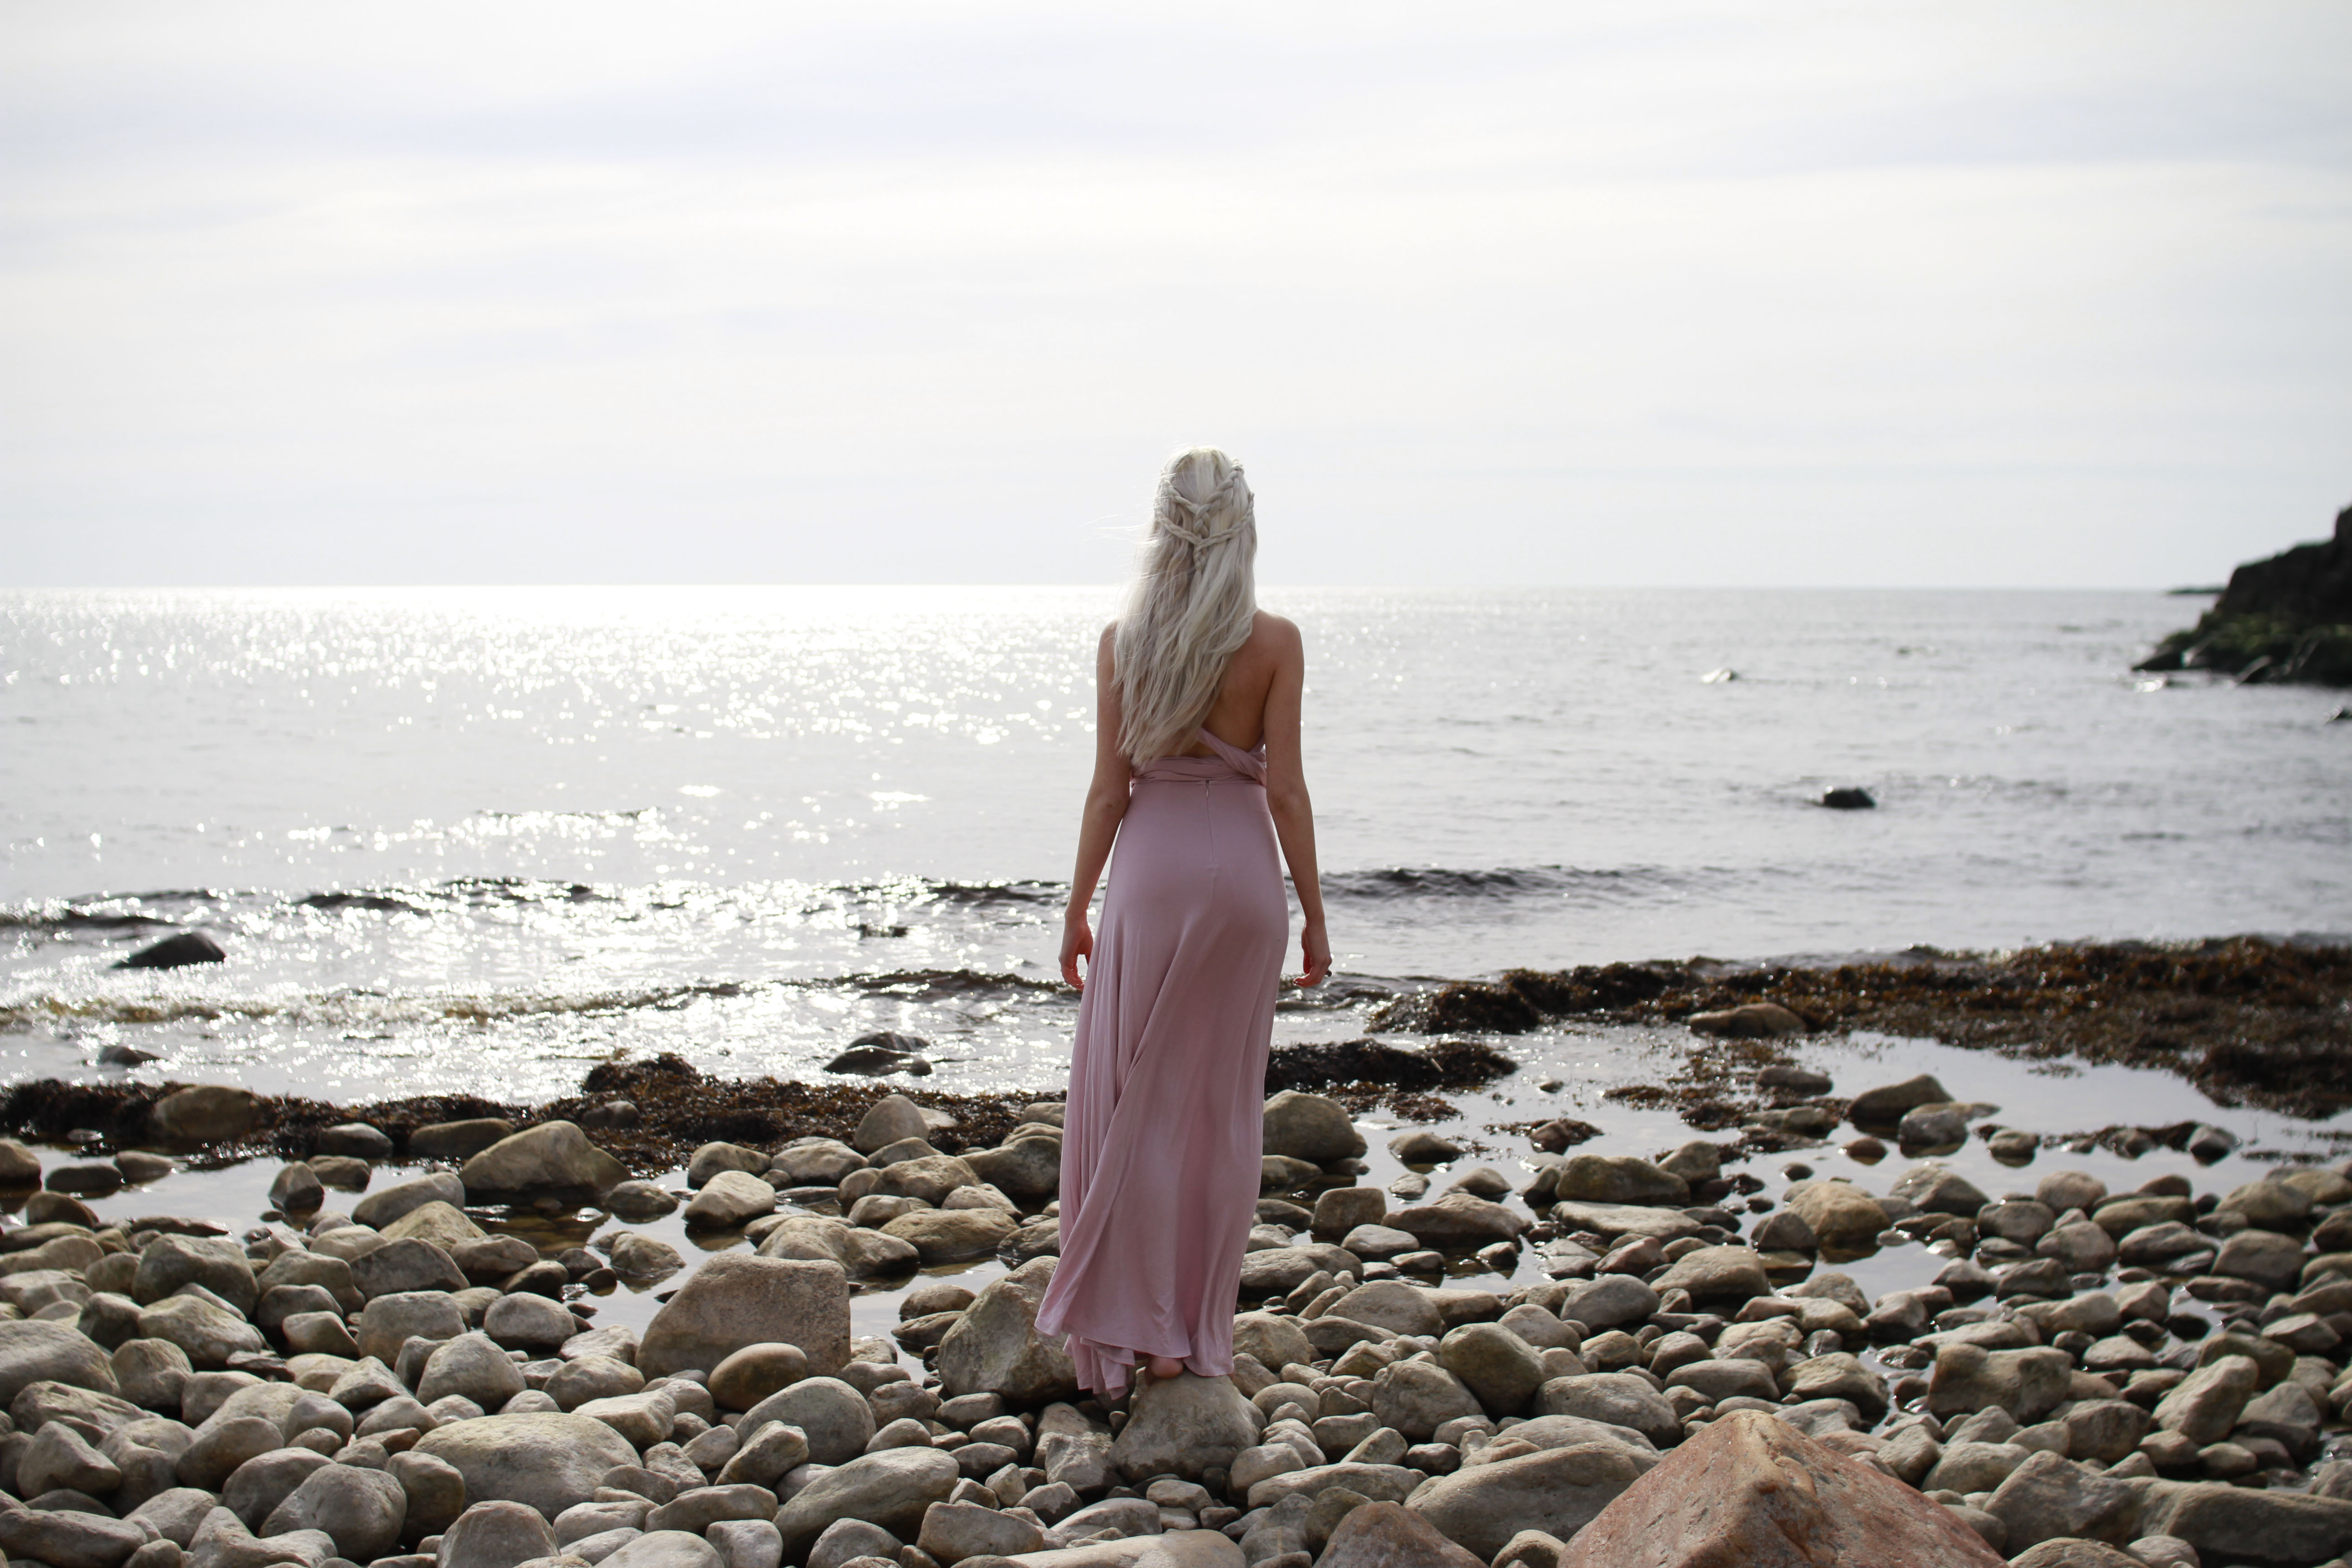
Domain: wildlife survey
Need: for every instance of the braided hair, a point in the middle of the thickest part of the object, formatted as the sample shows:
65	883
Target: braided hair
1192	603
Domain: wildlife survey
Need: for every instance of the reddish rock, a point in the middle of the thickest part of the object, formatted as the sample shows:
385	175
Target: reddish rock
1753	1490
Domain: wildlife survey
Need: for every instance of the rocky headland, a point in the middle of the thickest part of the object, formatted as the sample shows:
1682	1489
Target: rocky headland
2285	619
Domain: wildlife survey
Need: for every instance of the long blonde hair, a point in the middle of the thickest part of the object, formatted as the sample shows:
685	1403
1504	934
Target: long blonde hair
1192	602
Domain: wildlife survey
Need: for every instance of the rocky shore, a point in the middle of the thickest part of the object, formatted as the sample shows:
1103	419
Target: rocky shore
2288	617
1675	1371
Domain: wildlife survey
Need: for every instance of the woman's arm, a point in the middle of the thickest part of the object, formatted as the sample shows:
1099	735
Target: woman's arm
1099	823
1285	797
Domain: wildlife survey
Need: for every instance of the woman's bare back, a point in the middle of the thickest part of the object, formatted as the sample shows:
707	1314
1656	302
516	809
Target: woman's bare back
1238	715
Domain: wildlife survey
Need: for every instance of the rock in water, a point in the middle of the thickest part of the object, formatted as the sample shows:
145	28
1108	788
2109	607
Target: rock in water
736	1299
1310	1127
882	1052
1750	1489
1848	798
1881	1110
1750	1021
553	1154
1183	1426
176	952
995	1347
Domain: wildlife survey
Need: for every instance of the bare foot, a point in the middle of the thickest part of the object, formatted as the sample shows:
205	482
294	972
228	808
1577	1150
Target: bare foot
1162	1367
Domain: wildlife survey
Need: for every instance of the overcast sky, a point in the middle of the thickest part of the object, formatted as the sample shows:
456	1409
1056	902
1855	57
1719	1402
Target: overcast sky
1652	294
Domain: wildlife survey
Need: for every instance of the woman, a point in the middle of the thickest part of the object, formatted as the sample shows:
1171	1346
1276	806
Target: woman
1197	777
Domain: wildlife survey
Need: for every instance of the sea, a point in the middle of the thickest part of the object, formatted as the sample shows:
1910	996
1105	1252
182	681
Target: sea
478	839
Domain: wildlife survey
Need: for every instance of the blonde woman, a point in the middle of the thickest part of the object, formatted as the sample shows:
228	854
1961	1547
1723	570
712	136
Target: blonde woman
1197	778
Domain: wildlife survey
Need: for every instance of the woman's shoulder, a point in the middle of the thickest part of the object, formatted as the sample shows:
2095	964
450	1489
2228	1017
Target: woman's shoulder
1272	637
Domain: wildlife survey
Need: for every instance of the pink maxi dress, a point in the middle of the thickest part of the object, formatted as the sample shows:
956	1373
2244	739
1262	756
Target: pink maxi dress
1165	1126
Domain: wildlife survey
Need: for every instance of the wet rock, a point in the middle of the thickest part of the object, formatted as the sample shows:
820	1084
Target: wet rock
1309	1127
552	1156
861	1252
735	1299
1749	1021
547	1460
2263	1258
381	1207
953	1236
1616	1179
1608	1302
1843	1216
640	1201
893	1119
892	1490
1932	1127
996	1347
1933	1189
353	1140
1184	1425
1458	1220
1881	1110
205	1115
440	1224
730	1198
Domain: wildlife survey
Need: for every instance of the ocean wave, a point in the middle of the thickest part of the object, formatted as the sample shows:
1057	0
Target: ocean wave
346	1009
1502	882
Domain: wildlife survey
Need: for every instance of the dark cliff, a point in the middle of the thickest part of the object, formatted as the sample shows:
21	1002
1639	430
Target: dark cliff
2286	618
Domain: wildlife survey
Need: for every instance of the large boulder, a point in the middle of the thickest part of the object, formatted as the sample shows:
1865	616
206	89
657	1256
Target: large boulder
1459	1220
551	1156
729	1198
994	1348
892	1489
1183	1426
1751	1490
38	1351
952	1236
545	1459
893	1119
1557	1490
737	1300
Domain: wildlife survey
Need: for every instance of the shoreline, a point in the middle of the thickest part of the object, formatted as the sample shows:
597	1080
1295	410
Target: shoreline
1432	1348
2248	1020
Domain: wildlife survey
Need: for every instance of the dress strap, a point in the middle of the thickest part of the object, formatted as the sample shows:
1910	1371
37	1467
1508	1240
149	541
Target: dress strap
1251	765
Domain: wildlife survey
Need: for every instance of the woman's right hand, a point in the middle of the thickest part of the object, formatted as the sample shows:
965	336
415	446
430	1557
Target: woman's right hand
1078	942
1315	947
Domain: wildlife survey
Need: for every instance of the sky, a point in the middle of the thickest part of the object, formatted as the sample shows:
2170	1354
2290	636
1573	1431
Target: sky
2040	294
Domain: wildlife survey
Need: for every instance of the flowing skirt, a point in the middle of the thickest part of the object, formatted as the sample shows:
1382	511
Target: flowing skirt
1165	1124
